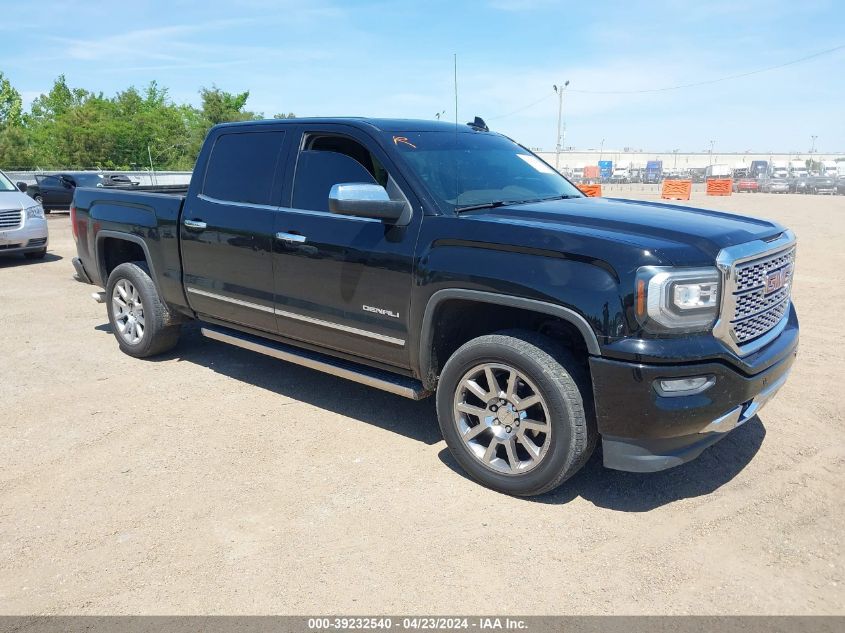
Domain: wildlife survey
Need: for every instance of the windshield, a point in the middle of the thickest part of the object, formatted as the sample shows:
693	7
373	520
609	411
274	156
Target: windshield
6	184
87	180
469	169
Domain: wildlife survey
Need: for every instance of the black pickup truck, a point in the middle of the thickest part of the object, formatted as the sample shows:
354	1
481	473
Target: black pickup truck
421	257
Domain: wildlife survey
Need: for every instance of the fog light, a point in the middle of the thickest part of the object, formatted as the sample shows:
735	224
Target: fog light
683	386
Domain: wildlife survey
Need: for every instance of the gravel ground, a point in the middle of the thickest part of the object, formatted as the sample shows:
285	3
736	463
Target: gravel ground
214	480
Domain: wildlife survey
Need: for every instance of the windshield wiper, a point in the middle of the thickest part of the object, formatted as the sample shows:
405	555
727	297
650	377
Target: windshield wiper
486	205
563	196
500	203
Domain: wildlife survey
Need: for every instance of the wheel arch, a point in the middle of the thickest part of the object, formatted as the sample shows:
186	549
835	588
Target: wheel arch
428	362
101	252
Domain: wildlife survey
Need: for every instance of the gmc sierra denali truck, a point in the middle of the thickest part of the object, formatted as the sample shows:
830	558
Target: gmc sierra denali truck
422	257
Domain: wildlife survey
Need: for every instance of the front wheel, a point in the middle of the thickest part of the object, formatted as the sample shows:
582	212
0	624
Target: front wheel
515	411
140	321
40	201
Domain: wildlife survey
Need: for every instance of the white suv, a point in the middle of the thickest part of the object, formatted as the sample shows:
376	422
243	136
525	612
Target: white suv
23	228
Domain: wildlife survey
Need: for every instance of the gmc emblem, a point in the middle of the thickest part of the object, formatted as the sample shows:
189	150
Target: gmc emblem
778	279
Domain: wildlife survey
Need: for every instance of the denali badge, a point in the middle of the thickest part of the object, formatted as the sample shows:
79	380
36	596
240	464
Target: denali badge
778	279
389	313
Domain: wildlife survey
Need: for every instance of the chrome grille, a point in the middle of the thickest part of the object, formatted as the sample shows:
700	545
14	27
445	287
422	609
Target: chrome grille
10	218
751	303
753	274
756	311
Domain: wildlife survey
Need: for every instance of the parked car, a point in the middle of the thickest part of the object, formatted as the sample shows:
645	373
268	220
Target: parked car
840	185
23	229
823	185
116	180
774	184
697	174
802	183
542	319
746	183
55	191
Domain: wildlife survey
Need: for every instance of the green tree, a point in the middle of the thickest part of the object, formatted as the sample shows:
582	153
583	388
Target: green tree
72	128
223	107
14	142
11	104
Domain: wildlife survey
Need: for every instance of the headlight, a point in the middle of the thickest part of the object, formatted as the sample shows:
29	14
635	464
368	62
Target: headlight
677	299
34	212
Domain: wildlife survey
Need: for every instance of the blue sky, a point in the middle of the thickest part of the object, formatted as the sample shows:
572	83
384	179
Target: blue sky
394	59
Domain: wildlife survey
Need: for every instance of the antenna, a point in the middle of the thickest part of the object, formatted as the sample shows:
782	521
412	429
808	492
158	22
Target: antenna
456	92
457	177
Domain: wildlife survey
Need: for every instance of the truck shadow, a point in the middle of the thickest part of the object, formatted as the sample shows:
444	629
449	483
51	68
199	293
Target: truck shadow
611	489
641	492
415	420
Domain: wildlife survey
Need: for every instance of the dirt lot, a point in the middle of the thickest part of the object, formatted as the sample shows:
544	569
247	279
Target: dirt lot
215	480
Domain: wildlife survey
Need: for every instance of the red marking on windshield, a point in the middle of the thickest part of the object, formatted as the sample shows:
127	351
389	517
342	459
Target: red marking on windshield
404	140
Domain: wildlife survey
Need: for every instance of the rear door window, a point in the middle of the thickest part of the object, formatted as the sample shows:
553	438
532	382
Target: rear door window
242	167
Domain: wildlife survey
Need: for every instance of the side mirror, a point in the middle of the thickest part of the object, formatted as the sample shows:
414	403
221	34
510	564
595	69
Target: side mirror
366	201
22	186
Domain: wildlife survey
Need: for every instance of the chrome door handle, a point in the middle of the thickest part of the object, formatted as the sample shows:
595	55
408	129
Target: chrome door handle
195	225
291	238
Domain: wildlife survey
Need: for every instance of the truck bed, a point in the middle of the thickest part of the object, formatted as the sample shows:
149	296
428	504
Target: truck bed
167	189
149	216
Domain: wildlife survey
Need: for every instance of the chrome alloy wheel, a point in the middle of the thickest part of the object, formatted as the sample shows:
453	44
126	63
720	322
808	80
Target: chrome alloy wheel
502	418
128	311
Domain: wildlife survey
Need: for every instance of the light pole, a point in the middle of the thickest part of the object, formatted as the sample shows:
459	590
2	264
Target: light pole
813	146
439	114
559	91
712	143
675	152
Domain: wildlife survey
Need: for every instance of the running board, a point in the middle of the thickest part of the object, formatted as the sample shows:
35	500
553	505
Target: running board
380	379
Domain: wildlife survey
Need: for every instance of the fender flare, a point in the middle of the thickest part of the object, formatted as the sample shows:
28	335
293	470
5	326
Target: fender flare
427	333
127	237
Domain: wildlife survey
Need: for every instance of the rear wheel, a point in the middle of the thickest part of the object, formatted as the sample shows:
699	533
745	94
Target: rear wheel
140	321
514	409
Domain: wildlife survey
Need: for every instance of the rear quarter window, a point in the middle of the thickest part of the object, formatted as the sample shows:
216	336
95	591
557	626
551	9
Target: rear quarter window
242	167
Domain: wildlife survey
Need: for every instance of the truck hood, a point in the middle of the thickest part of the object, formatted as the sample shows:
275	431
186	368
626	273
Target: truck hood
675	234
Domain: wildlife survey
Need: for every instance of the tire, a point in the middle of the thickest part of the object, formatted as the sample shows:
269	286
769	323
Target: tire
131	284
40	201
36	254
544	369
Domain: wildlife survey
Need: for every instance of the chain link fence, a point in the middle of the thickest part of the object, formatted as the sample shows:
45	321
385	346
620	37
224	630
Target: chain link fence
142	177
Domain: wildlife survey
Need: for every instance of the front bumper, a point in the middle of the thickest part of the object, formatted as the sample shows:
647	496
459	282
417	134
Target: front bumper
31	237
644	431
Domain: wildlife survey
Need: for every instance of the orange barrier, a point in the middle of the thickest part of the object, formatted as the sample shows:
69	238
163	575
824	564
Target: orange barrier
591	191
719	186
676	189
